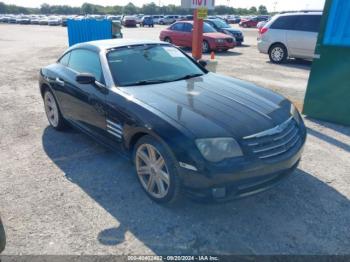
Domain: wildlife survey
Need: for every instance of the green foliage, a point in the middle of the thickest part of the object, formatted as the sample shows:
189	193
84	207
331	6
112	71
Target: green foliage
263	10
129	9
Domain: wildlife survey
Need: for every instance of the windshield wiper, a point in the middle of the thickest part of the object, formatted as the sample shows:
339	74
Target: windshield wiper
147	82
188	77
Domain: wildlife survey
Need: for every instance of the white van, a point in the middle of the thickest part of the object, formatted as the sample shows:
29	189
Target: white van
292	35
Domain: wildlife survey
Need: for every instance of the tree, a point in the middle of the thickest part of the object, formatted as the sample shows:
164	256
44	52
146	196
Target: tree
253	10
263	10
149	9
130	9
45	9
2	8
87	8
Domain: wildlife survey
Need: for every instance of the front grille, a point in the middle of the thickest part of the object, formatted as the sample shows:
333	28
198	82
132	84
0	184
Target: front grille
237	34
275	142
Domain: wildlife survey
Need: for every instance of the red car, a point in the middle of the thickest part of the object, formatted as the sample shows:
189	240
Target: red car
180	34
252	22
129	21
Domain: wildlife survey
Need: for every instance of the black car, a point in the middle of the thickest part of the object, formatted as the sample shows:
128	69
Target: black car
186	129
222	27
2	237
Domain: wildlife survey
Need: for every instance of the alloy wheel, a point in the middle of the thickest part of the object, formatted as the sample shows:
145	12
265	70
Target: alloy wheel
277	54
205	47
152	171
51	109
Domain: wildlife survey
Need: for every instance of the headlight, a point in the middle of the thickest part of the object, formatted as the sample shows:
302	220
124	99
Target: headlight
294	112
217	149
220	40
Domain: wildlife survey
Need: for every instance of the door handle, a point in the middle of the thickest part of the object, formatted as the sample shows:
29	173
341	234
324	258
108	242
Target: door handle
59	81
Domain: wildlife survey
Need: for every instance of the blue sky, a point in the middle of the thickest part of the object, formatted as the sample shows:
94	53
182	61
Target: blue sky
271	4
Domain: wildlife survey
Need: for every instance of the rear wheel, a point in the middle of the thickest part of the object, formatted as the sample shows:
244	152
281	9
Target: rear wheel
53	112
278	54
168	40
156	170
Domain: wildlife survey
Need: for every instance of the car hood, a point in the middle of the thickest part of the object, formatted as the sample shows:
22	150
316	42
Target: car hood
215	106
230	29
216	35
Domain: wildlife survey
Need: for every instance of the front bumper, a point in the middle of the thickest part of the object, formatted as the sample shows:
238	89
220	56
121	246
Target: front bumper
222	46
256	178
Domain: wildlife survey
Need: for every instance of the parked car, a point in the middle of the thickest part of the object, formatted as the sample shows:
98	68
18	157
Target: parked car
44	21
168	19
12	19
222	27
2	237
156	18
252	22
35	20
291	35
233	19
186	130
139	18
114	17
129	21
180	34
23	20
54	20
147	21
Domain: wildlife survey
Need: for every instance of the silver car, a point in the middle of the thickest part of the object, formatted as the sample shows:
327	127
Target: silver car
290	35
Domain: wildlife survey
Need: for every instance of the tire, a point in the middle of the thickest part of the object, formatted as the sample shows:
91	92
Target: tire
53	113
2	237
278	54
157	171
245	25
205	47
168	40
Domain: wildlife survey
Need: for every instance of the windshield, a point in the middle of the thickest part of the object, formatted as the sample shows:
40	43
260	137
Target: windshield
149	64
208	28
220	23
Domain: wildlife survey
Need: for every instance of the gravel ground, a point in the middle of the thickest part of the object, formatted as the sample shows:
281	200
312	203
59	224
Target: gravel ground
61	193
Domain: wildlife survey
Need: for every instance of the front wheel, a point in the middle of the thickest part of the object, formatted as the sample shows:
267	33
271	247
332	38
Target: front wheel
205	47
278	54
156	170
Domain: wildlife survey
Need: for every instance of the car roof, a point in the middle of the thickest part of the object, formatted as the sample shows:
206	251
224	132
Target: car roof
101	45
301	13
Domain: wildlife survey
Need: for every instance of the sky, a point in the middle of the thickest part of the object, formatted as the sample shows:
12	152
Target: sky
272	5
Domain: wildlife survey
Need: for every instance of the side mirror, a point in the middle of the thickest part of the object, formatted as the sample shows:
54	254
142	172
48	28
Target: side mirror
203	63
85	78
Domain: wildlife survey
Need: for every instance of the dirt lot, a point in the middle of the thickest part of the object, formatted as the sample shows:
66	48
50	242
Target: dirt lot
61	193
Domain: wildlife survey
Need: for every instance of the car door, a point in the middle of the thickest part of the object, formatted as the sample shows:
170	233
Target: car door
187	30
177	34
83	104
302	40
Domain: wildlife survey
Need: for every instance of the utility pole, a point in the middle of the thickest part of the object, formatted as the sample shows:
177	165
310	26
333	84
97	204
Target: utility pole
275	6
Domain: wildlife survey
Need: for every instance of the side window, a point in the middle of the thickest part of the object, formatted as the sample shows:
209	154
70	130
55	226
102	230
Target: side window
177	27
65	59
187	27
285	22
85	61
308	23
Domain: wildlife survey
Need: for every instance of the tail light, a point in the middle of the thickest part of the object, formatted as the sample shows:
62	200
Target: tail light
263	30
